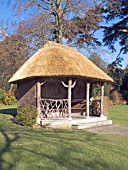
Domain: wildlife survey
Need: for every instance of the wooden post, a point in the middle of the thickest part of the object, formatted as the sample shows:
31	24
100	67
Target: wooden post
91	92
87	99
91	100
69	98
102	100
69	86
38	101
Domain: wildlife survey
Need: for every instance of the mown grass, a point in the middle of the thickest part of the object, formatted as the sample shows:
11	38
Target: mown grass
119	114
24	148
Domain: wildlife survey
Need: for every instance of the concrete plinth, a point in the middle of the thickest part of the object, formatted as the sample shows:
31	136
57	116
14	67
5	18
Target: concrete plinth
75	123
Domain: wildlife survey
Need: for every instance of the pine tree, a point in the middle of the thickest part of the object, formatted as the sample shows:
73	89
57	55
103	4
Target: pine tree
116	12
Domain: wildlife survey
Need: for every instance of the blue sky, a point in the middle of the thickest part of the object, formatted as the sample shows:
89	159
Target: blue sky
6	12
112	56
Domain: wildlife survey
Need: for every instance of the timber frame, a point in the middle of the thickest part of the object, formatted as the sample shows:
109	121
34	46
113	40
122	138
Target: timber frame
62	108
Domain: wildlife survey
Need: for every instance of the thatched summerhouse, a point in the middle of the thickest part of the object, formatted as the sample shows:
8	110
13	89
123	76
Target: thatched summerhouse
59	81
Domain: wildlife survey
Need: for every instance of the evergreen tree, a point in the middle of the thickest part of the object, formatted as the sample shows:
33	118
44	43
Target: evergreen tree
124	86
116	72
116	12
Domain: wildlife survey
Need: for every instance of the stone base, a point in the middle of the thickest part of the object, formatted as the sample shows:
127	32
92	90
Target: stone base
38	120
69	118
92	124
69	123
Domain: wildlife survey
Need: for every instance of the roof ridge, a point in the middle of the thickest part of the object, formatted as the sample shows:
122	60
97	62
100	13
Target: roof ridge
55	44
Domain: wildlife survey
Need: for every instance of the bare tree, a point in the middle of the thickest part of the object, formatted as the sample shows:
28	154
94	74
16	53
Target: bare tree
74	21
12	56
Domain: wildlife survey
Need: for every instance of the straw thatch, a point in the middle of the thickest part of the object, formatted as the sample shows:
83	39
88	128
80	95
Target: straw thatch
59	60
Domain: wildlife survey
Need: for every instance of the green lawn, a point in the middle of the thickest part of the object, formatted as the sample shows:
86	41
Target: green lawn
24	148
119	114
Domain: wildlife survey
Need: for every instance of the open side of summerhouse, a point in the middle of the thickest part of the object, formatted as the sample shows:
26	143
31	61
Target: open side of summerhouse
60	81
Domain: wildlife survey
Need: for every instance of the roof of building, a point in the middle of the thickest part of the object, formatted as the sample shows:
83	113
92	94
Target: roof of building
56	59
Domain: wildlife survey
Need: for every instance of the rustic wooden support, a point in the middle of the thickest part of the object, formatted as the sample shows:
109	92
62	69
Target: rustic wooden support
69	97
72	86
64	84
69	86
87	99
102	99
43	83
11	88
91	92
38	99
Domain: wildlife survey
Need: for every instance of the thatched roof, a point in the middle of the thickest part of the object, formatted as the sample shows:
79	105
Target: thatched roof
58	60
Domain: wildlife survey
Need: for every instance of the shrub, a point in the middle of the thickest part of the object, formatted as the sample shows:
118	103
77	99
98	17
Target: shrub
26	115
9	99
2	94
116	97
107	104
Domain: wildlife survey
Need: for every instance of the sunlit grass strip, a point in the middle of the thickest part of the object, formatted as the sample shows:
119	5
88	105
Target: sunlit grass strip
119	114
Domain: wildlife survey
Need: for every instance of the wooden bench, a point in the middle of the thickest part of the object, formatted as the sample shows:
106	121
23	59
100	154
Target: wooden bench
78	106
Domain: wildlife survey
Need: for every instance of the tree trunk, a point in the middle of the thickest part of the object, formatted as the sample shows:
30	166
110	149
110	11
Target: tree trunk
59	24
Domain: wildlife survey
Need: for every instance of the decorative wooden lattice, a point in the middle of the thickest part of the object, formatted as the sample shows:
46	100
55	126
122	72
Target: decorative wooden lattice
54	108
96	107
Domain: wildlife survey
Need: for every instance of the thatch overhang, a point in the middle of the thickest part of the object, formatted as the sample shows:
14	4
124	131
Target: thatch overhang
57	60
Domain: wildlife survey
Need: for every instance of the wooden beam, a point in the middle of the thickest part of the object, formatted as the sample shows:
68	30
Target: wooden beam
91	92
87	99
69	86
38	98
69	98
72	86
102	99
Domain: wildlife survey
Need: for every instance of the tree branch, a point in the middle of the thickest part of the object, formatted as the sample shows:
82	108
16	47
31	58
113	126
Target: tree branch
43	83
74	84
40	5
116	29
64	84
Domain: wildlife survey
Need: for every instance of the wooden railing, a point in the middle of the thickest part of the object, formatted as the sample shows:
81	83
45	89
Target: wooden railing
54	108
96	108
58	108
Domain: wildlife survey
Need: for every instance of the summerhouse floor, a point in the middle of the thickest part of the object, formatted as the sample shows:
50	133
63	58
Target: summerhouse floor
75	122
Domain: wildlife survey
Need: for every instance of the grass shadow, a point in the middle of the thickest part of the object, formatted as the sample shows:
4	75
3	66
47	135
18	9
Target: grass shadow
8	141
9	111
